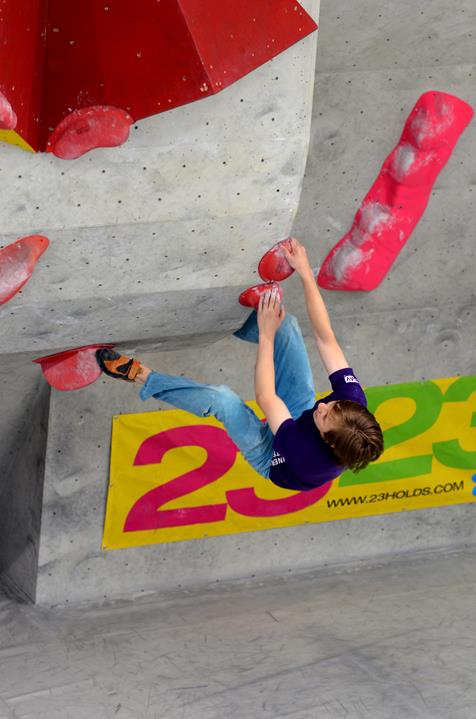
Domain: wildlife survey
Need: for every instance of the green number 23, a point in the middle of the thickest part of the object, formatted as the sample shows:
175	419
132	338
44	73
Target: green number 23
428	400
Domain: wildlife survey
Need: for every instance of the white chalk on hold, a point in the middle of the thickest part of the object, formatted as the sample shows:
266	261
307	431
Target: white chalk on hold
408	160
428	128
403	160
15	277
375	216
344	258
348	257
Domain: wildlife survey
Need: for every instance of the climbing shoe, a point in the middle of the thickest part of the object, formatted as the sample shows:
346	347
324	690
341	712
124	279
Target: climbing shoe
116	365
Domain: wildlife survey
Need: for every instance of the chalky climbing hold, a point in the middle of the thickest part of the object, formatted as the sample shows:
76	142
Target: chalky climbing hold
86	129
273	266
17	262
8	119
398	198
73	368
252	296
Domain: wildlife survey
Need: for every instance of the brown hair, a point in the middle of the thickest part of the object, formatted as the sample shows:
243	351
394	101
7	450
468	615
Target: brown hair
358	439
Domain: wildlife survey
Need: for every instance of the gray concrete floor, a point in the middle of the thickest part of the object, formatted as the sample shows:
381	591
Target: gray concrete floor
384	642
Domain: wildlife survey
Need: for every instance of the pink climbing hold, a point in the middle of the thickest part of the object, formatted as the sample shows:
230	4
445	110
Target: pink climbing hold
88	128
8	119
17	262
273	266
252	296
398	198
73	368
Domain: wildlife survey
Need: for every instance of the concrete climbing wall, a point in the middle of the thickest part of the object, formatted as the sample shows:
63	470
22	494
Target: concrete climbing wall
151	244
173	220
373	63
373	66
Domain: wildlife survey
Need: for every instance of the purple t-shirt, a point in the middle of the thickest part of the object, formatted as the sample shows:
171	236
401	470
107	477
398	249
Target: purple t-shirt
301	458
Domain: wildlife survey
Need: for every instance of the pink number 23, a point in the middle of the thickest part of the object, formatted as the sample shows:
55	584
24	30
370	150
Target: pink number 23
147	512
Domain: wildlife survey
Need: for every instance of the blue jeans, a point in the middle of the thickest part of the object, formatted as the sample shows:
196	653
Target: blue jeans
294	384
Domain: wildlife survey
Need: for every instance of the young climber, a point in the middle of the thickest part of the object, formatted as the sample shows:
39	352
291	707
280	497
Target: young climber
303	443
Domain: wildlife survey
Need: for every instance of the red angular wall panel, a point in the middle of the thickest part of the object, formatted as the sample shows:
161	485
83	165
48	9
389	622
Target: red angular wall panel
22	26
234	38
143	58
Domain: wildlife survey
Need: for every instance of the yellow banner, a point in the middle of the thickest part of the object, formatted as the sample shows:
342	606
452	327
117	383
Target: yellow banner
13	138
175	476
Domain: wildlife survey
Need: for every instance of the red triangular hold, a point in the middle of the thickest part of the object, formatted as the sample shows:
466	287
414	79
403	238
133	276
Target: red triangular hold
17	262
252	296
72	369
144	58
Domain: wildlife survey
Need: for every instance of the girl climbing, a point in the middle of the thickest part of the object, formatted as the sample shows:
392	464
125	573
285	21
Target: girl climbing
303	443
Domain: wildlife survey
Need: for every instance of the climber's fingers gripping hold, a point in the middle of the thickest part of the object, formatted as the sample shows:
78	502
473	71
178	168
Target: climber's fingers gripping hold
271	313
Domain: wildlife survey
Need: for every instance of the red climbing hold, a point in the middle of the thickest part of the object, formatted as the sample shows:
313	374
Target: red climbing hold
273	266
17	262
252	296
72	369
8	119
86	129
399	195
